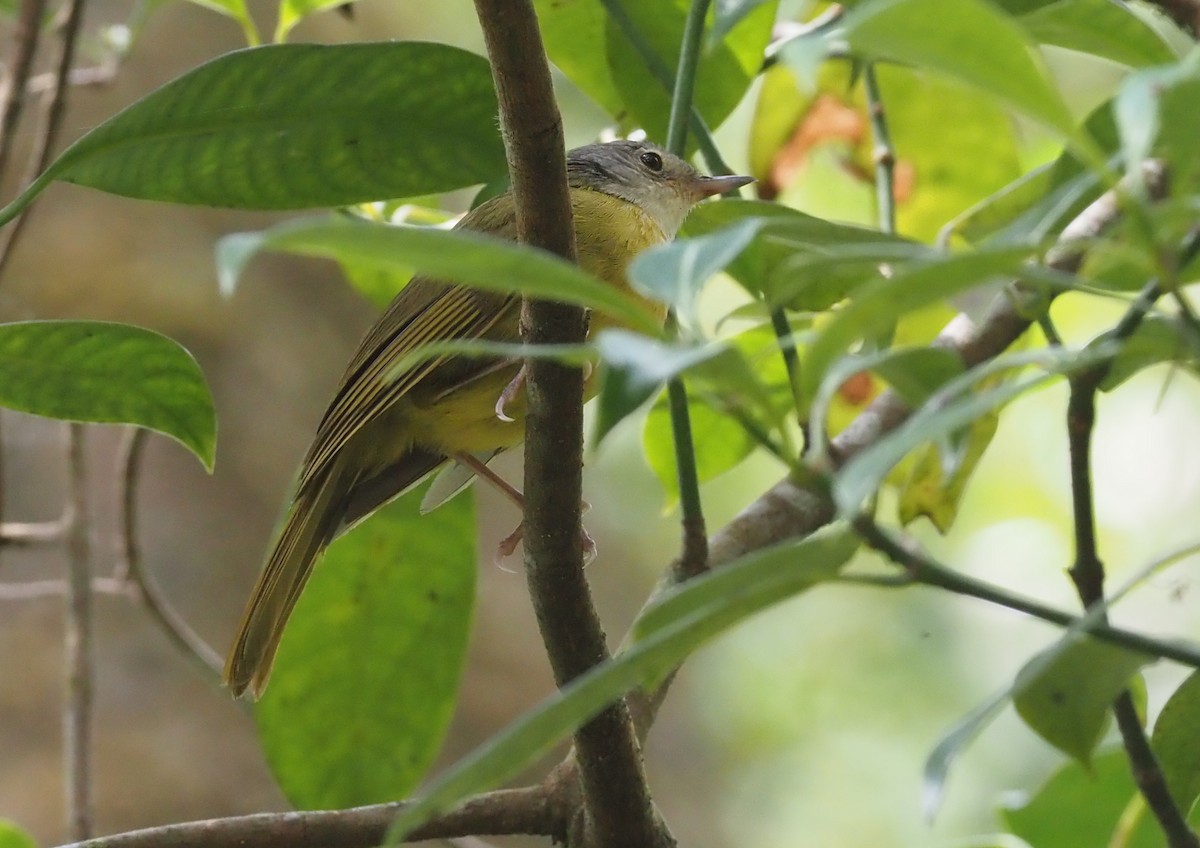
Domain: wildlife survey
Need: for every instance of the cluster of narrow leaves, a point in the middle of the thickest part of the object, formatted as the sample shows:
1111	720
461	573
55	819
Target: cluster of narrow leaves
830	313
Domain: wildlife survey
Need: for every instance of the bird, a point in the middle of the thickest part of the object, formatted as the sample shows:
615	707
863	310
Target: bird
384	432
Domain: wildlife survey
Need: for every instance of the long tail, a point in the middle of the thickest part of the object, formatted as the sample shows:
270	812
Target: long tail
310	526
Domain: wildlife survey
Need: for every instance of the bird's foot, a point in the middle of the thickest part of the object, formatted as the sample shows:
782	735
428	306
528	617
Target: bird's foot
509	395
508	545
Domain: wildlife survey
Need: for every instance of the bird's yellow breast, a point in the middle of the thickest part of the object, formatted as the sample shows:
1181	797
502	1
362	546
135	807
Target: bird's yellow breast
609	233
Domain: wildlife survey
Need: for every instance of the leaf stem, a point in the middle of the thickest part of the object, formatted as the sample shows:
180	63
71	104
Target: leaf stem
884	153
694	557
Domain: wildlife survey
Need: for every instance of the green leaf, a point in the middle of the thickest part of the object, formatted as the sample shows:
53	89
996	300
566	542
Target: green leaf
789	568
1085	806
292	12
914	372
782	569
674	273
861	476
291	126
938	764
1104	28
367	674
786	237
931	489
1176	742
878	305
637	367
1156	113
1157	339
470	258
1067	702
105	373
813	281
12	836
590	46
729	13
973	43
720	444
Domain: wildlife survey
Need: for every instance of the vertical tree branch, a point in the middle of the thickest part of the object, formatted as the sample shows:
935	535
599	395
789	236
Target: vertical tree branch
77	717
617	806
12	100
1087	571
55	109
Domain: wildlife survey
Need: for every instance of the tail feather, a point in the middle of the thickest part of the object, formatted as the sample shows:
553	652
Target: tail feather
309	527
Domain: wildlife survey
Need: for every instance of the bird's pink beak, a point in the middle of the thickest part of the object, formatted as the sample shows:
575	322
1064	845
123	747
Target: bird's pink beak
710	186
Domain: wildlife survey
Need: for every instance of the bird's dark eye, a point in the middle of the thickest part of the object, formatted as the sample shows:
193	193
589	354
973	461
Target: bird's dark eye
652	160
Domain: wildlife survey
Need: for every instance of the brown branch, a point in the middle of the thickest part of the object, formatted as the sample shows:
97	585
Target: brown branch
501	813
1087	571
77	716
618	810
55	110
26	34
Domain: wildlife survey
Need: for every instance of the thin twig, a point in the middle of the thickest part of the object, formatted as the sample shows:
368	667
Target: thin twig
920	569
29	533
693	558
618	810
77	716
55	110
884	154
131	568
504	812
1087	572
26	34
35	589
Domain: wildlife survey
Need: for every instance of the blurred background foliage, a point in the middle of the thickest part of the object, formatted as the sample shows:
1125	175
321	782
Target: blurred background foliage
806	726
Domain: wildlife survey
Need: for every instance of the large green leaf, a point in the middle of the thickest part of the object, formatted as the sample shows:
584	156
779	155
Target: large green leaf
471	258
1085	806
367	673
1067	701
291	126
108	374
973	42
1176	742
681	622
584	41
